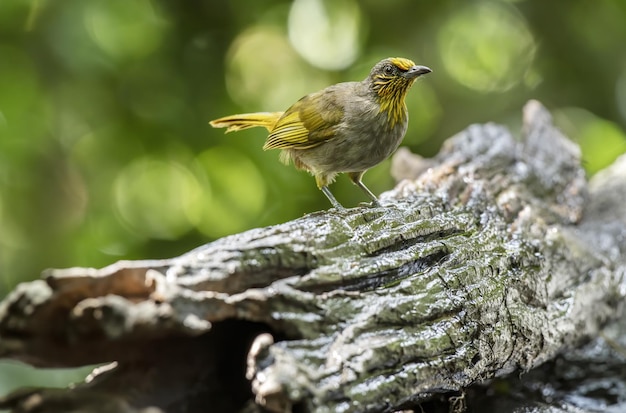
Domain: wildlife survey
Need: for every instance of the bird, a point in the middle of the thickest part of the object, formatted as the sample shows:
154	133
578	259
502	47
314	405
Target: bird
348	127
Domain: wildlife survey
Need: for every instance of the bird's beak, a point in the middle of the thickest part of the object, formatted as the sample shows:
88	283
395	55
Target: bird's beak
417	71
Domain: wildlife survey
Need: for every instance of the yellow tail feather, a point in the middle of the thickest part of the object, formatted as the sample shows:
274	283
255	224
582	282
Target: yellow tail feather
235	123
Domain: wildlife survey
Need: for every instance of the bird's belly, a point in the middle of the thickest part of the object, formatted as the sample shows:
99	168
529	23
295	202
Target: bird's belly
352	152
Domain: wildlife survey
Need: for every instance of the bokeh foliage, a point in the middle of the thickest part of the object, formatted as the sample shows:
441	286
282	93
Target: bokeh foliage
105	148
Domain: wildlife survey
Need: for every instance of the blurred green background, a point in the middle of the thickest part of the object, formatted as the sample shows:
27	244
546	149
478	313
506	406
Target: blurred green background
105	148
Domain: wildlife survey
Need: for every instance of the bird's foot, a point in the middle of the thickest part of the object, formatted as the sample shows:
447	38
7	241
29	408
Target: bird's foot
371	204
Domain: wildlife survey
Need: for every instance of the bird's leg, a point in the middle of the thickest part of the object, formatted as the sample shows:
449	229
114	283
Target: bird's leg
331	198
322	182
356	179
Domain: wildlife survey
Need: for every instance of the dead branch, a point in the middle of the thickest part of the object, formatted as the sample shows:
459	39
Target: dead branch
490	258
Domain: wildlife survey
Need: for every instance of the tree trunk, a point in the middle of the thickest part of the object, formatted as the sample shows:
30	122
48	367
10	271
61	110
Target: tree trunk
491	258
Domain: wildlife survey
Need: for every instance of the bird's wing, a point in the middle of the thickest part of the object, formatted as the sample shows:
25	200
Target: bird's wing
308	123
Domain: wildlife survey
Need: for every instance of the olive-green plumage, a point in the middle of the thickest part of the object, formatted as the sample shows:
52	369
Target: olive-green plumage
348	127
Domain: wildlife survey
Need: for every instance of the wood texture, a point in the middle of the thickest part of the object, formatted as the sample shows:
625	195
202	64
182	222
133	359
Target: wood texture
493	257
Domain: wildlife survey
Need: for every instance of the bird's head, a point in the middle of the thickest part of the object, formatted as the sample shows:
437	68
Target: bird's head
391	79
395	75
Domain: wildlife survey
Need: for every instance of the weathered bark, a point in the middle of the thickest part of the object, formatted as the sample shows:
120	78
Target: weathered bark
492	257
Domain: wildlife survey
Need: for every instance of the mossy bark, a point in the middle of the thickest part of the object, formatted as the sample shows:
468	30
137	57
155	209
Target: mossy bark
491	258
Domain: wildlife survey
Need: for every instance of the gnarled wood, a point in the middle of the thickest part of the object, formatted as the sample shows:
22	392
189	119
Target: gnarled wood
492	257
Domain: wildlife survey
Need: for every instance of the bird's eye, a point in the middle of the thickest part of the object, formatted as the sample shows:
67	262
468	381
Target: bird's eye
388	69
